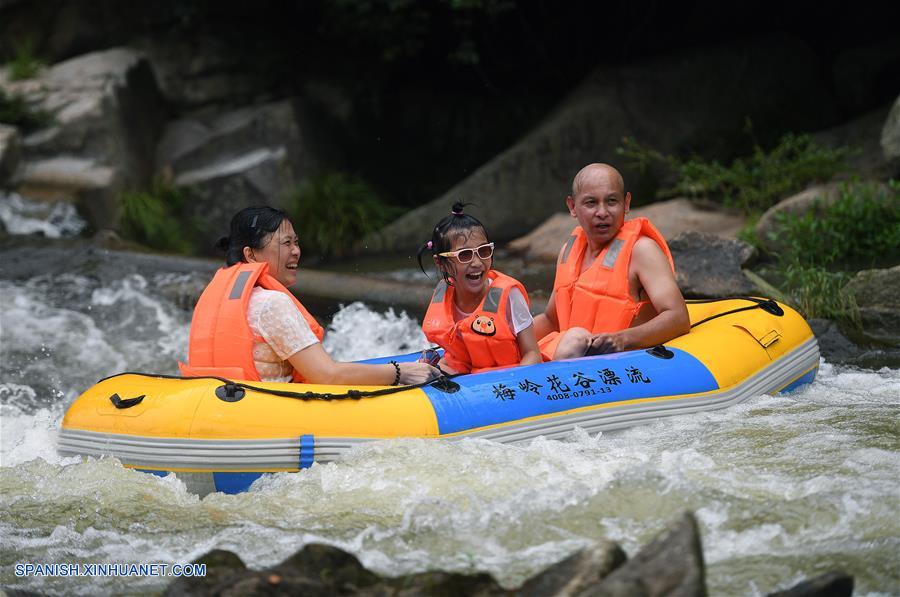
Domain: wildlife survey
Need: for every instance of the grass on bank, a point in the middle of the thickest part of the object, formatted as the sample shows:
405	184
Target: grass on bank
14	110
820	249
158	218
751	184
25	63
332	211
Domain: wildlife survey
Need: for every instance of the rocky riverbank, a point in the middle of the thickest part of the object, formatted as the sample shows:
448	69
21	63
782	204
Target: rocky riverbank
670	565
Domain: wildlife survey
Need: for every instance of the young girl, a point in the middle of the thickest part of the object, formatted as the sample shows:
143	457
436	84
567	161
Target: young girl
478	315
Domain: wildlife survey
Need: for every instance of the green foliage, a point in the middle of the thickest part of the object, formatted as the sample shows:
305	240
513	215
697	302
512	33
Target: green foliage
860	228
158	217
25	64
332	211
817	292
15	111
751	184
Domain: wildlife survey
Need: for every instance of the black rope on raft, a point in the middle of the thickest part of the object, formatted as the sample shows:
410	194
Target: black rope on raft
348	395
768	305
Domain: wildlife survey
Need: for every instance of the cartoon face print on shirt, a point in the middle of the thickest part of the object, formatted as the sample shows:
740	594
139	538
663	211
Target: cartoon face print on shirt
484	325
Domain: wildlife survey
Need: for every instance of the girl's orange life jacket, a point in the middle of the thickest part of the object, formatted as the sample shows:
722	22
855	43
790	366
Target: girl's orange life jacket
221	342
598	299
482	340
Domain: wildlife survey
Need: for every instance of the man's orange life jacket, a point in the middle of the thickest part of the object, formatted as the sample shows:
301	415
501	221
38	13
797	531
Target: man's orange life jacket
482	340
221	342
598	299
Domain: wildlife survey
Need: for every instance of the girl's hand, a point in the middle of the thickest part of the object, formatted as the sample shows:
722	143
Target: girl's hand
416	373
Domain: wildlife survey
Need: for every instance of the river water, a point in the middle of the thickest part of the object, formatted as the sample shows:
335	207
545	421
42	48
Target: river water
784	487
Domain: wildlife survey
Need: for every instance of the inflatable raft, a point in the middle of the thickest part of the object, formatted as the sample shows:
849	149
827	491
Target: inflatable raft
221	435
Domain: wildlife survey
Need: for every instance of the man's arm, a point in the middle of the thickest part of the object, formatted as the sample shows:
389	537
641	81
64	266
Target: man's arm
652	268
546	322
655	275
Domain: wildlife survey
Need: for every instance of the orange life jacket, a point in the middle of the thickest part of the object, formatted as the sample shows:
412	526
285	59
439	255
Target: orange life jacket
482	340
221	342
598	299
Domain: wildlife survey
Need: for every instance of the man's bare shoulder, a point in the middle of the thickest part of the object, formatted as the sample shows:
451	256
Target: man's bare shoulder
646	251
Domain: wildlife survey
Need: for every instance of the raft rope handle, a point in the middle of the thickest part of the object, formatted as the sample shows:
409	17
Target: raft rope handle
349	394
768	305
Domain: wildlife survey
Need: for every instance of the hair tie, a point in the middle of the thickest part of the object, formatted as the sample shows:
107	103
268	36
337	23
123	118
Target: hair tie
456	213
429	244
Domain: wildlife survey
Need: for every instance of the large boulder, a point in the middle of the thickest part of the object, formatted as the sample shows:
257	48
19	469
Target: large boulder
696	100
890	136
671	218
877	293
707	266
671	564
863	135
247	156
107	114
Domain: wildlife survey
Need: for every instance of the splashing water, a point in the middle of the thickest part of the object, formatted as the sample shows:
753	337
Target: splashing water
784	487
56	219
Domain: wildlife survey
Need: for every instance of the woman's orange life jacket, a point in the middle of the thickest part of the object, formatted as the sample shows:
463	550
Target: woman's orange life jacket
598	299
221	342
482	340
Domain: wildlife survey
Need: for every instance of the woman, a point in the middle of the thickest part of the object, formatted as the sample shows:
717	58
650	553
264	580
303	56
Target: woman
247	325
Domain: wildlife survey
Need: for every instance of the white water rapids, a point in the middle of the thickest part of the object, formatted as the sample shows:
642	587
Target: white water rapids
784	487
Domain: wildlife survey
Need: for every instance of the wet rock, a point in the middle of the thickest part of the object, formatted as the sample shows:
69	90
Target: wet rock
673	104
830	584
253	155
577	573
670	565
220	565
670	217
107	114
890	135
877	292
9	152
707	266
834	346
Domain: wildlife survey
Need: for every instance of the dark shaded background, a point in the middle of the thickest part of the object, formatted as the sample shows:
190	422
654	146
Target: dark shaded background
419	80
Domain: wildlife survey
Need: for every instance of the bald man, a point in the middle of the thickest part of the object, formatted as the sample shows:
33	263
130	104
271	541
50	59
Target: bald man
615	280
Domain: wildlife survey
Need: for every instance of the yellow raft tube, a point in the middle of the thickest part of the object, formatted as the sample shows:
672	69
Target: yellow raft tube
221	436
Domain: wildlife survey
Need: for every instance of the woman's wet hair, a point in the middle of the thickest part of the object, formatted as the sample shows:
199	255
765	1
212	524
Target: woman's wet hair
442	234
250	227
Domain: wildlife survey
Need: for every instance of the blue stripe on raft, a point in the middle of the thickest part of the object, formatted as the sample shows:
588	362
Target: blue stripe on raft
507	395
307	451
234	482
157	473
805	379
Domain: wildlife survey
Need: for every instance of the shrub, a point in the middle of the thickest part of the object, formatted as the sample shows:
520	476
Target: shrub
332	211
751	184
25	64
15	111
860	229
159	218
817	292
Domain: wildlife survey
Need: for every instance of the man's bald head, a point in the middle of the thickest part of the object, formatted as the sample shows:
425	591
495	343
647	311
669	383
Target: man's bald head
593	173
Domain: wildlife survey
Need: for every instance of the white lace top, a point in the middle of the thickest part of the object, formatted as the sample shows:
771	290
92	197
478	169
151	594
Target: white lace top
273	317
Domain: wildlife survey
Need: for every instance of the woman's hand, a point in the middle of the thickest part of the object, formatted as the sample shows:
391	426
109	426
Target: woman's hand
415	373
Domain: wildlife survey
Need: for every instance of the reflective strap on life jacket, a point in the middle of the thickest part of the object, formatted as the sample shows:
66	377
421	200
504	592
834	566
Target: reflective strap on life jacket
599	298
481	340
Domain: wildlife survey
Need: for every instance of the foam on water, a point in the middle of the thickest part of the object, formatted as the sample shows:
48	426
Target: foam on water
55	219
784	487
